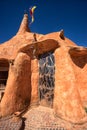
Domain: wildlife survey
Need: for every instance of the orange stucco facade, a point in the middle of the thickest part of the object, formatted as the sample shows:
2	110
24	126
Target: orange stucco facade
21	53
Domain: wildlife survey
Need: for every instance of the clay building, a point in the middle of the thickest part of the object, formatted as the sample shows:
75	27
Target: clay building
43	79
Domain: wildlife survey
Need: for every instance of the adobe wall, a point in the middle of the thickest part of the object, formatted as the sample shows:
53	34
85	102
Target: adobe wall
34	82
18	89
70	92
22	85
67	99
79	64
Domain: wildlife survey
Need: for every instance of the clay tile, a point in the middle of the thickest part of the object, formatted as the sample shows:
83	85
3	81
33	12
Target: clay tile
24	25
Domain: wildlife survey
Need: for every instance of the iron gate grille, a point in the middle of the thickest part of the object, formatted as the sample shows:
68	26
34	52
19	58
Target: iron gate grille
46	77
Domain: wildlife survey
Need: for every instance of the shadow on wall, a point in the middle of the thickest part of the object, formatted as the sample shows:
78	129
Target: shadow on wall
80	61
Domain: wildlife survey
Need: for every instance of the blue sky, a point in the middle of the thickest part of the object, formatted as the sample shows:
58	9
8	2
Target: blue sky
50	16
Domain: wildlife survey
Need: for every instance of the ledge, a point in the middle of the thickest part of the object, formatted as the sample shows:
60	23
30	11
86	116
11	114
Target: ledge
38	48
77	51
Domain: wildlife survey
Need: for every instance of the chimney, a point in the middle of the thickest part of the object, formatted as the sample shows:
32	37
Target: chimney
24	25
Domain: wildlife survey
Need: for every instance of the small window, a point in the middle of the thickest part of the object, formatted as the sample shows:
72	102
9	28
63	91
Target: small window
3	77
4	68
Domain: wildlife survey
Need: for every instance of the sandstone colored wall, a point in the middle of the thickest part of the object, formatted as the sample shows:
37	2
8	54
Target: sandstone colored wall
78	55
67	100
80	70
34	82
70	73
26	83
18	90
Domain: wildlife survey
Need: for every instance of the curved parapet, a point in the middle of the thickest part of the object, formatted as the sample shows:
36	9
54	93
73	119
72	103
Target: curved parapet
38	48
77	51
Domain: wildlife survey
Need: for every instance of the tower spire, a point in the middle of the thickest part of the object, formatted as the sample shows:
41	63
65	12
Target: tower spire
24	25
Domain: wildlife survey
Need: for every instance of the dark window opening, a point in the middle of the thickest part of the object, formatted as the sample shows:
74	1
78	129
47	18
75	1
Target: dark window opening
2	94
4	68
46	78
3	77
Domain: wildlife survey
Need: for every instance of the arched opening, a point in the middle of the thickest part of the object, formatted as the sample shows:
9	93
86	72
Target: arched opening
46	78
4	68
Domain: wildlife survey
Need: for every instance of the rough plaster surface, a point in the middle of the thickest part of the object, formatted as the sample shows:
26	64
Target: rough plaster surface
70	89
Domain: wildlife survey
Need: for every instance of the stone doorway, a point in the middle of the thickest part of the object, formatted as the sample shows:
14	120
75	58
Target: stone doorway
4	68
46	79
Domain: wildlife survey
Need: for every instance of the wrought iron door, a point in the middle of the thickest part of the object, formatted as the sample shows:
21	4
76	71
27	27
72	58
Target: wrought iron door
46	77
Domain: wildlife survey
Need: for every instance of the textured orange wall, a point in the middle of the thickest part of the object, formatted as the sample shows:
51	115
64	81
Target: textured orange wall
34	82
80	70
70	73
67	100
18	89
